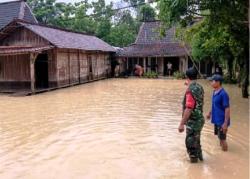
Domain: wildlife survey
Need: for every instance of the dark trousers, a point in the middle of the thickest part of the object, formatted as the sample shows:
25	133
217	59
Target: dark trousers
193	142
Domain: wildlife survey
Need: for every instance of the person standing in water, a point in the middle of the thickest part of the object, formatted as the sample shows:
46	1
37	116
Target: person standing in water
138	70
192	116
220	112
169	65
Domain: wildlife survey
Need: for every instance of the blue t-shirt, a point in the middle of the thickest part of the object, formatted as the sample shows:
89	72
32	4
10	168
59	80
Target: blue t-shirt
220	101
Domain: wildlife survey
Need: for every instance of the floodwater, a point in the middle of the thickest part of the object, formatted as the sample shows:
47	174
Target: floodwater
115	129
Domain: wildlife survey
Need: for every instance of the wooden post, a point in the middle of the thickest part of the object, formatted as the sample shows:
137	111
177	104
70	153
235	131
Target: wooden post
144	64
161	66
149	64
69	65
32	71
127	62
156	64
79	66
97	65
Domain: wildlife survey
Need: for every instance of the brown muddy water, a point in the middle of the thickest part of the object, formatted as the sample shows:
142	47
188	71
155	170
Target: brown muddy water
115	129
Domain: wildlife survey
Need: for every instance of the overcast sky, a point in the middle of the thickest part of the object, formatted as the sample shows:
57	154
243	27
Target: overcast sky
72	1
117	3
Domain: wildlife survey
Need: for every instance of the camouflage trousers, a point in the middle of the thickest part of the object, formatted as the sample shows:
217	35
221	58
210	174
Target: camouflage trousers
193	142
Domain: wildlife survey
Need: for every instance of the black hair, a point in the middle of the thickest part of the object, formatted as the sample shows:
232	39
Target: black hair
192	73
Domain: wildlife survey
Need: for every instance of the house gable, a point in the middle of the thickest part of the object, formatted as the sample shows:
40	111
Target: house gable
15	10
23	37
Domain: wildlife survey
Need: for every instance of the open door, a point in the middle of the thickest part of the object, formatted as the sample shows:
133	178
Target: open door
41	71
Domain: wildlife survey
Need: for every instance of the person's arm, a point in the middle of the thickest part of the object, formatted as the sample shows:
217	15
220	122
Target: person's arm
209	115
189	106
186	114
226	105
226	121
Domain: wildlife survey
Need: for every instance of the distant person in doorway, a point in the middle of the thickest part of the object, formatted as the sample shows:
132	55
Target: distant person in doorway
220	112
138	70
169	66
192	116
218	71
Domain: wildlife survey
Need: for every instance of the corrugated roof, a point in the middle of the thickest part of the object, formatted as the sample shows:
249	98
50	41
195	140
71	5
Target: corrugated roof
15	10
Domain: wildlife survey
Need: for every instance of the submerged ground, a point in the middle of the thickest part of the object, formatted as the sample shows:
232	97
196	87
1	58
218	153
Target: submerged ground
117	128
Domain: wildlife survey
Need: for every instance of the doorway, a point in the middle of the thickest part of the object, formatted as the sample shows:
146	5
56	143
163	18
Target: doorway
175	65
41	71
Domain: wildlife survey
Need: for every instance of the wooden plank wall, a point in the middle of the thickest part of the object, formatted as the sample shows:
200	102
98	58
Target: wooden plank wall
22	36
14	71
84	68
52	68
73	66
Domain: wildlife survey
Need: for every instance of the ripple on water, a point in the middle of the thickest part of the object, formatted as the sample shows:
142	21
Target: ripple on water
114	129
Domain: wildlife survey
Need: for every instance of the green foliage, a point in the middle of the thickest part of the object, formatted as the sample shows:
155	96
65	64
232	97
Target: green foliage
222	36
147	13
119	28
151	74
179	75
44	9
228	79
121	35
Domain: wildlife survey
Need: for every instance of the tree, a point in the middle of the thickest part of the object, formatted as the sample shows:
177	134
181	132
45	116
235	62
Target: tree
222	35
147	13
82	22
121	35
102	16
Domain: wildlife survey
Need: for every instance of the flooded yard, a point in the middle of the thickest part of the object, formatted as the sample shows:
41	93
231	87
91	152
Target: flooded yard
115	129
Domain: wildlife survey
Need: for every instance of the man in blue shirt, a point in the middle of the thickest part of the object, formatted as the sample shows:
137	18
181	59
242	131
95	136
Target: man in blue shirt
220	112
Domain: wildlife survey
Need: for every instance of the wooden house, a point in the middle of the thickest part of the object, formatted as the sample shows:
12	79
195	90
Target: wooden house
153	52
36	57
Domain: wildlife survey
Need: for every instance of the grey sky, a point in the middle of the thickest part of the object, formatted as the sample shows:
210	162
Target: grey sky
72	1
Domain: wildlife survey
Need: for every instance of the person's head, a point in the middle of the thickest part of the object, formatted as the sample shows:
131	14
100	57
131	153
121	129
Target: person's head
191	74
216	81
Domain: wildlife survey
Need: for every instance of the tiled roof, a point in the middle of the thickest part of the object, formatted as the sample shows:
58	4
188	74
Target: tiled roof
15	10
149	42
150	33
61	38
153	50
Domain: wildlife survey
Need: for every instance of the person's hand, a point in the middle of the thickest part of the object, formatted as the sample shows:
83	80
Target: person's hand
181	128
208	116
224	128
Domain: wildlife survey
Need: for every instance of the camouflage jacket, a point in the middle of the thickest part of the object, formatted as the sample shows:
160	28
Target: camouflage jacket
196	119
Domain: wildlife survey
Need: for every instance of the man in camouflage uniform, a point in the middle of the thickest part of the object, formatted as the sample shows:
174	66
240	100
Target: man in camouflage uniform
192	116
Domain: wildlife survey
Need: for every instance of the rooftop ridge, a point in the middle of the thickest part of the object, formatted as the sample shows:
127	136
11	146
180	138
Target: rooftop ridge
52	27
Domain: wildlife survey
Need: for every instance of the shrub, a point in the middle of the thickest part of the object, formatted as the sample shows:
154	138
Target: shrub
151	74
179	75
